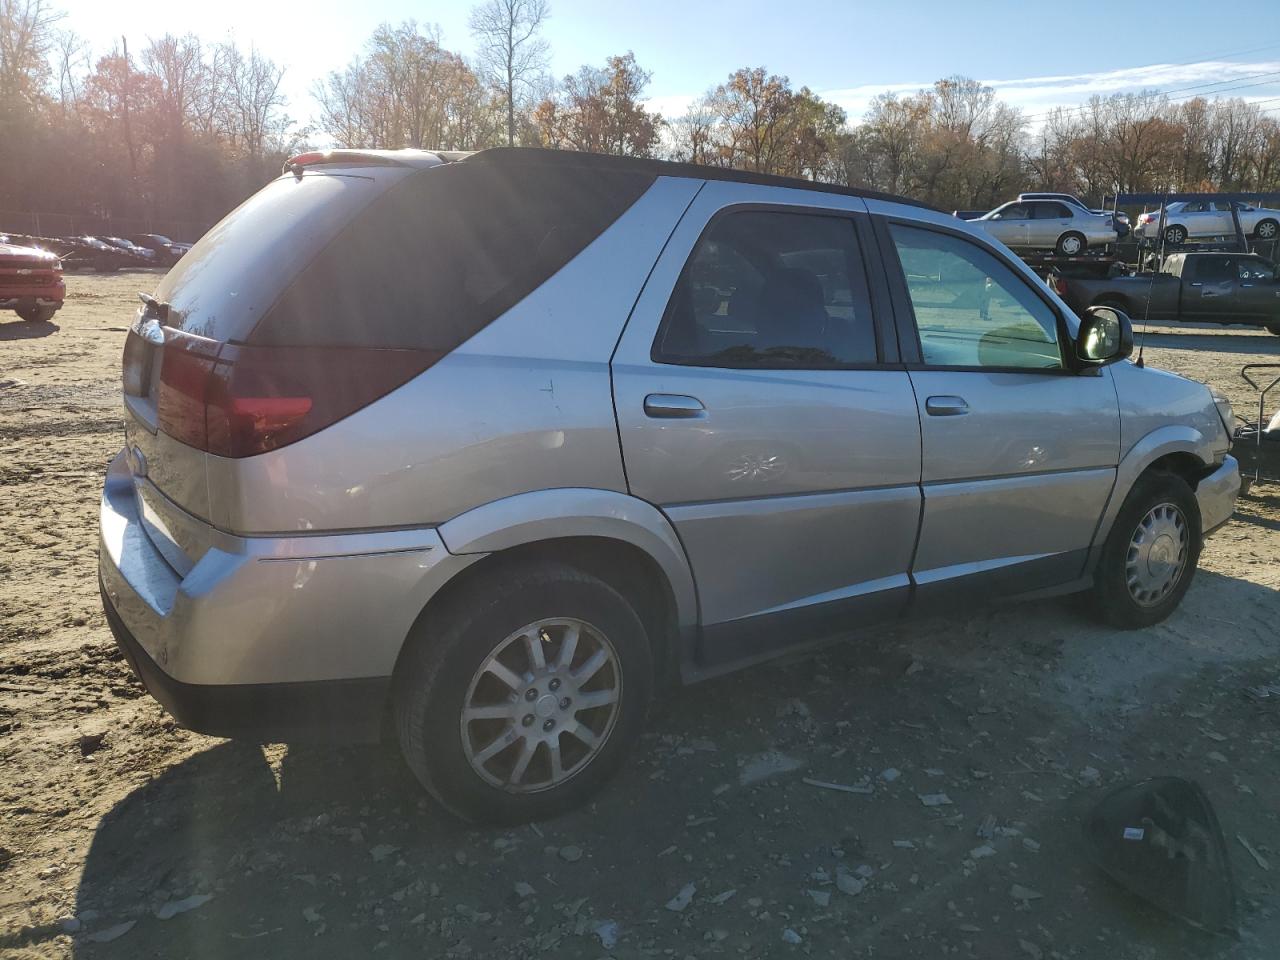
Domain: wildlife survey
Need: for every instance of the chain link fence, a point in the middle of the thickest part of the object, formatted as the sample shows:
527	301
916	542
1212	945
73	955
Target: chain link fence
37	224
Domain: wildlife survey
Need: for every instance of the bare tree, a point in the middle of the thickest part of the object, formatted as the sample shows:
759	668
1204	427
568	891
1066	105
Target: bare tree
26	36
510	52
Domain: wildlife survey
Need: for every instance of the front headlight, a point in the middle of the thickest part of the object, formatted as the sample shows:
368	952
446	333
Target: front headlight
1225	412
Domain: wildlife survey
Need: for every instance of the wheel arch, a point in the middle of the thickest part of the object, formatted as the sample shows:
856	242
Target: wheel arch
1174	448
627	542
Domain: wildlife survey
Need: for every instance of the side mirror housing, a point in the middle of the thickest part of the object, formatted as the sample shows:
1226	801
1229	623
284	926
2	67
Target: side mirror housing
1105	336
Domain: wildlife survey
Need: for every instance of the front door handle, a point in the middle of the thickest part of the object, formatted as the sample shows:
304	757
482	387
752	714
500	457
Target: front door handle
673	406
946	406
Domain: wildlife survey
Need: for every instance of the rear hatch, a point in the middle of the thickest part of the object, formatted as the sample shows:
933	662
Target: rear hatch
211	301
334	285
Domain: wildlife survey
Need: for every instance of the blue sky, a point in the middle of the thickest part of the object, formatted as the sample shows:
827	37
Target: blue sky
1037	55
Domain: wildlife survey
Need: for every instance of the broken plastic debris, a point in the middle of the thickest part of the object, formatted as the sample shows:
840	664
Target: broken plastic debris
683	898
842	787
934	799
1134	833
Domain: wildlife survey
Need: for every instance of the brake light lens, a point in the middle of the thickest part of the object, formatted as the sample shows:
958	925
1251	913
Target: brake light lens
238	401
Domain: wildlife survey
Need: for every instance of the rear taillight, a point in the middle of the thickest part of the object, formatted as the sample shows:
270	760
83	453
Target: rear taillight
237	401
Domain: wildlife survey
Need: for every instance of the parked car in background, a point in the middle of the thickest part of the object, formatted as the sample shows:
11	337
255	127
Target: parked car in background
1048	225
168	252
1207	287
141	256
493	445
106	257
1197	219
1120	218
31	281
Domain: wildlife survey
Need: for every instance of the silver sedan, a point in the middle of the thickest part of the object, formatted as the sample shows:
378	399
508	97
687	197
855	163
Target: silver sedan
1048	225
1195	219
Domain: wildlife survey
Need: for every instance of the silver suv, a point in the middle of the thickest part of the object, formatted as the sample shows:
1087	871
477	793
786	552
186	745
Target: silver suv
483	450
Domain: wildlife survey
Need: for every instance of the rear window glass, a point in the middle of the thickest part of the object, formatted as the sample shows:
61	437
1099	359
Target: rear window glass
236	271
445	252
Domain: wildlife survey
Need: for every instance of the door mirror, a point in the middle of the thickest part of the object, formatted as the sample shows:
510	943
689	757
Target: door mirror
1160	839
1105	336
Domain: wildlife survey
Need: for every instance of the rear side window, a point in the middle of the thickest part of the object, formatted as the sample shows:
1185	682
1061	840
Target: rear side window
771	290
443	253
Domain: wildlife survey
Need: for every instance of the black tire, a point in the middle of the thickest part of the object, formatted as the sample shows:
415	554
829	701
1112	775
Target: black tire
36	314
1266	229
1070	240
1112	599
444	654
1175	235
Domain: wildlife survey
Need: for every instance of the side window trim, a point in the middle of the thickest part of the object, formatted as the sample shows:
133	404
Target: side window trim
862	263
904	312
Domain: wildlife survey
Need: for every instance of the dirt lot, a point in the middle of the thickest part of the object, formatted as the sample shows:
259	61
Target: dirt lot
710	844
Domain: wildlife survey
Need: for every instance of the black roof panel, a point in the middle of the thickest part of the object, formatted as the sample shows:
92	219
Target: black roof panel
515	156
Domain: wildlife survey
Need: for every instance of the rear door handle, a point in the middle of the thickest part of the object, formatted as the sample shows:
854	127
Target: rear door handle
946	407
673	406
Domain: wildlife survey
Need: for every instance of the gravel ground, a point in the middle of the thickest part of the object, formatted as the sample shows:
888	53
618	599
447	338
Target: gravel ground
123	836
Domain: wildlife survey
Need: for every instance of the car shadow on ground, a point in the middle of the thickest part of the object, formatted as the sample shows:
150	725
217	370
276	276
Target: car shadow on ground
27	330
321	851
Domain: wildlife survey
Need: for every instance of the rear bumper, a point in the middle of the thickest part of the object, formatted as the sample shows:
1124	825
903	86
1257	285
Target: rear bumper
271	638
337	710
1217	495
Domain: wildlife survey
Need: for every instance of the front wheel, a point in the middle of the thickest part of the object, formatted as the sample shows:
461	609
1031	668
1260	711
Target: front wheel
1266	230
1071	244
523	695
1150	556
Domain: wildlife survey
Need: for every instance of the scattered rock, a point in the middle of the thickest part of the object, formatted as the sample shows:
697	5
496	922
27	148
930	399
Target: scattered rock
934	799
571	854
91	743
821	897
979	853
682	899
175	907
890	774
112	933
607	934
1090	777
915	666
311	914
723	898
848	883
524	889
382	851
1031	845
762	766
1024	894
790	936
1030	949
794	708
1217	757
904	844
987	828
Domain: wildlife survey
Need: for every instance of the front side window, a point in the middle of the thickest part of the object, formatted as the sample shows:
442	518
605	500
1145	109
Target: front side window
1256	270
770	290
1015	211
970	309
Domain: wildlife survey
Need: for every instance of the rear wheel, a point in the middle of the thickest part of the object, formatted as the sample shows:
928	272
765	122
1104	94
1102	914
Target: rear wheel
522	696
1071	244
1150	556
1267	230
37	314
1175	235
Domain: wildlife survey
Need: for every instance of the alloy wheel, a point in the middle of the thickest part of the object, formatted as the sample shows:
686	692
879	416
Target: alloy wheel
542	705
